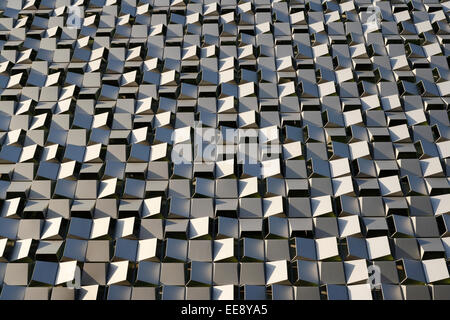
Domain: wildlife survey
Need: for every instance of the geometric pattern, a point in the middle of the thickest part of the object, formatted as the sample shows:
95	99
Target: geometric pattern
328	169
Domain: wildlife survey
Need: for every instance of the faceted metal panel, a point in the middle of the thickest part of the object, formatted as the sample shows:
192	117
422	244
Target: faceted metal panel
199	149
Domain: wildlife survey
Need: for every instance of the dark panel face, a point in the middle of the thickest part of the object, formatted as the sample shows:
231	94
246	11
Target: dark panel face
251	149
